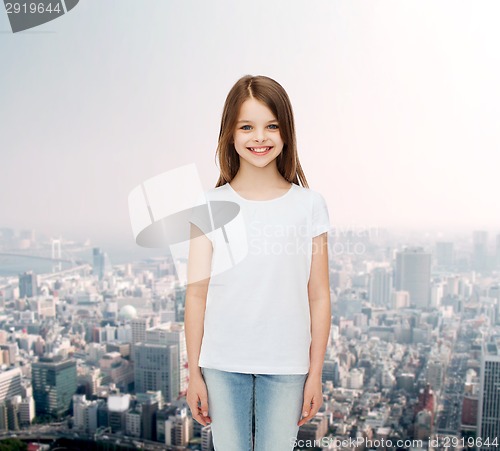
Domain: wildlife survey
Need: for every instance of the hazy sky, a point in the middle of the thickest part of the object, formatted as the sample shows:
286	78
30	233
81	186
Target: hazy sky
396	106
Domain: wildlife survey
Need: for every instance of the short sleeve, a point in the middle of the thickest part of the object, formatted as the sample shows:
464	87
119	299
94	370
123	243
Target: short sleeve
320	215
199	214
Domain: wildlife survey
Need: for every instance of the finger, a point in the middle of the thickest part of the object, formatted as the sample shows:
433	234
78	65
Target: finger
200	419
307	407
305	420
204	405
197	414
309	416
207	417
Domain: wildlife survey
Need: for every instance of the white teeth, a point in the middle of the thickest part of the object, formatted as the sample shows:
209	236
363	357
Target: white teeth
265	149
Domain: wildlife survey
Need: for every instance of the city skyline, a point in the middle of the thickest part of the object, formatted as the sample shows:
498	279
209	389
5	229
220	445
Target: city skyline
398	361
398	130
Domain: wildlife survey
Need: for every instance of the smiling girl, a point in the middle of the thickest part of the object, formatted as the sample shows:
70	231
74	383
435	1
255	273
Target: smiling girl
256	334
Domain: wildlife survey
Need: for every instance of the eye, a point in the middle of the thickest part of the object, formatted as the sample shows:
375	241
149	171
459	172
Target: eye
243	127
274	125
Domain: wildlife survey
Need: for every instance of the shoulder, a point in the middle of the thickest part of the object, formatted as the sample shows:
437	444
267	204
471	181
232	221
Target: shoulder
310	195
219	190
217	193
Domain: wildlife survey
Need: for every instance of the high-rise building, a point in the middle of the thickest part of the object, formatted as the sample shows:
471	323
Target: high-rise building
444	253
400	299
43	306
101	264
10	383
89	378
28	287
172	333
115	369
13	412
150	402
207	442
4	416
380	286
8	353
118	406
480	250
413	274
422	426
426	401
156	367
162	415
138	328
497	251
437	293
84	414
54	384
98	262
469	411
493	292
179	428
26	411
140	325
133	422
489	395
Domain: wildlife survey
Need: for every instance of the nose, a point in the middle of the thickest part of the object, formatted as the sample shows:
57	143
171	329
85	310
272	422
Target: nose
260	135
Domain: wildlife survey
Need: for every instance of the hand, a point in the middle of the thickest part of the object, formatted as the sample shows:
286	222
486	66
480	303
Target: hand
313	398
197	394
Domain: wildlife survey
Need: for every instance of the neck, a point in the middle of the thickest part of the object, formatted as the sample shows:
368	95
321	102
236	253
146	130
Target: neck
249	176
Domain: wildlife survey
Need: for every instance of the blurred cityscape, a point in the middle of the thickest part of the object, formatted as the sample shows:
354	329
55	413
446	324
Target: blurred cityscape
93	353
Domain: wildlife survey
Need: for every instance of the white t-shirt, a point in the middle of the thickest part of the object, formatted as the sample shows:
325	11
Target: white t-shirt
257	317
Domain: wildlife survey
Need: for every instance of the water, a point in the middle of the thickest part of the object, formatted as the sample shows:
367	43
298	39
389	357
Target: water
12	266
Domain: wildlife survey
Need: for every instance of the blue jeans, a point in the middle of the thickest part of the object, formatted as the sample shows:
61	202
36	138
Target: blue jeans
275	400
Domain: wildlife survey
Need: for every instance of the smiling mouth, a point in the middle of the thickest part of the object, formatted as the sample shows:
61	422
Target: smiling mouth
259	150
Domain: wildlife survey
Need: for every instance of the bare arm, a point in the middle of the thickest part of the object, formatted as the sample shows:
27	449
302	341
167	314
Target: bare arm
198	278
319	304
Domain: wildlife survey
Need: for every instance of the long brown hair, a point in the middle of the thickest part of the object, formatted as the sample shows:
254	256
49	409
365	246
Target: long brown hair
272	94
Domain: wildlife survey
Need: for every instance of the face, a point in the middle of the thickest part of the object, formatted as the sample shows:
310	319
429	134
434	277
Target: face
257	137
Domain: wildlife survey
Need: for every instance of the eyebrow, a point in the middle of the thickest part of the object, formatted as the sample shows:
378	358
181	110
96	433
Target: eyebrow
244	120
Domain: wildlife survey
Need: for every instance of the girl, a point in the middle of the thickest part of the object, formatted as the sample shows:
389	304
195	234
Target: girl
256	333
